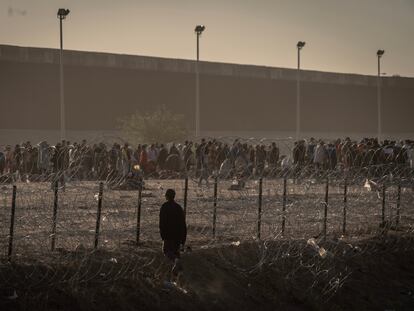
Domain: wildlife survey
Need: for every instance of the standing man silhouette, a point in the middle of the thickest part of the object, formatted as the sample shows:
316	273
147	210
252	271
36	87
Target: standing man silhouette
173	230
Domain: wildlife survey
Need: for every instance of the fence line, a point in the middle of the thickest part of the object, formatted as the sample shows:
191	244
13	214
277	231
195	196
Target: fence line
250	194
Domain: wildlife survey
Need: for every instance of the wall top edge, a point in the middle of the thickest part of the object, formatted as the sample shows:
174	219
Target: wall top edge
124	61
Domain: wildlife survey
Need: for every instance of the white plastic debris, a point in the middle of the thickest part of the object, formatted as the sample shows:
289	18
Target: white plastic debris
113	260
322	252
312	242
367	185
319	250
236	243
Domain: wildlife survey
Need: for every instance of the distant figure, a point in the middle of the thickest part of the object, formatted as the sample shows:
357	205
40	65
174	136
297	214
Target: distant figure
43	157
2	162
204	169
58	162
162	157
273	155
320	156
173	229
188	155
172	163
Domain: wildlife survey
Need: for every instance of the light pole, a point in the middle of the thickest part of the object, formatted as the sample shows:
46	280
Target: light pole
299	46
61	14
379	55
198	31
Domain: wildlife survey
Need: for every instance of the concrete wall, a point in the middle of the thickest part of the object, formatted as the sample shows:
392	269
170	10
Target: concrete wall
100	88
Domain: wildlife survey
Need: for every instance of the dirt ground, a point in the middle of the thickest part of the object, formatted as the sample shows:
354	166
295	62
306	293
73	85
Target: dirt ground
371	274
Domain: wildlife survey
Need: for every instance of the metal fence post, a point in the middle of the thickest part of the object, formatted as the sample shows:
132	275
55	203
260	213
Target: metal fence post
284	205
398	204
139	212
98	215
383	204
325	214
54	219
345	205
259	214
185	195
11	234
215	207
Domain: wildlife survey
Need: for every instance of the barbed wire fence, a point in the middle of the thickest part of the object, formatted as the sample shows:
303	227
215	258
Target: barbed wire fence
296	217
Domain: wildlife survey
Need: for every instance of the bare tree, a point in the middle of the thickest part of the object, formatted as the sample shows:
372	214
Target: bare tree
160	125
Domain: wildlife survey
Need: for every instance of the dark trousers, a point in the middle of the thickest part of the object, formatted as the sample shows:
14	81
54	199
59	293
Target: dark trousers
171	249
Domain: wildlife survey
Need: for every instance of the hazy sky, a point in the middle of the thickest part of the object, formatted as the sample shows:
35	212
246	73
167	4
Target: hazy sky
340	35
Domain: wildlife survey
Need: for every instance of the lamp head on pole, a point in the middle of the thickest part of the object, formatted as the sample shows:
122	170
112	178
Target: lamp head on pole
380	53
300	44
199	29
62	13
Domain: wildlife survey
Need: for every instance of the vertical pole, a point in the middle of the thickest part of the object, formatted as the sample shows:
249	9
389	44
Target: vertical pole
379	99
55	207
284	205
215	207
383	205
98	215
198	46
259	214
298	98
398	204
197	125
345	205
11	234
62	91
139	211
185	195
325	214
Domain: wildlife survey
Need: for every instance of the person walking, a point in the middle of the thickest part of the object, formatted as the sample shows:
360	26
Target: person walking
204	169
320	157
2	162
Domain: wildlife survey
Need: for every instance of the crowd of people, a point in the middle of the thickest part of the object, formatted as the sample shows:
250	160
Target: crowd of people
348	153
84	161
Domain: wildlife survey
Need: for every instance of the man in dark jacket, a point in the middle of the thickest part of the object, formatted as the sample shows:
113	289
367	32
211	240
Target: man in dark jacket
173	229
